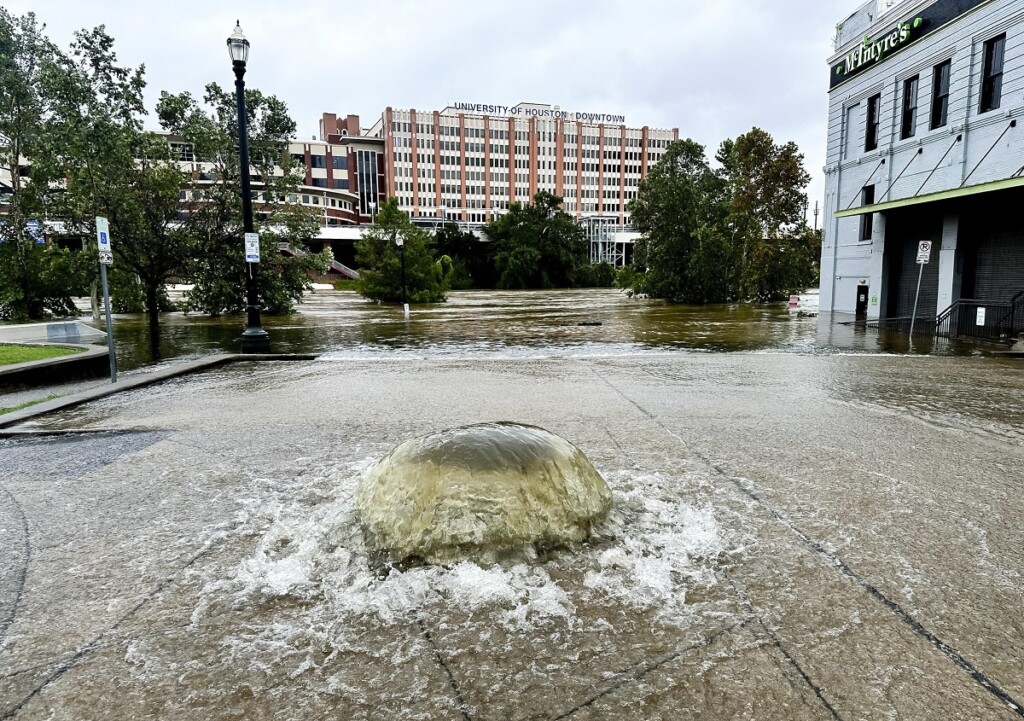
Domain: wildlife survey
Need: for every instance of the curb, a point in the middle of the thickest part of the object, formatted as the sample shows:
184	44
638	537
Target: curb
88	363
76	399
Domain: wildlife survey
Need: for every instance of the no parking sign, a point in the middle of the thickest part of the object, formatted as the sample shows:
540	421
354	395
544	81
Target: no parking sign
924	252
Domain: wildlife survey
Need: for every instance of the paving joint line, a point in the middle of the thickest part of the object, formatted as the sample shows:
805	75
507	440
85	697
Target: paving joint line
836	562
777	642
26	558
647	668
459	698
83	652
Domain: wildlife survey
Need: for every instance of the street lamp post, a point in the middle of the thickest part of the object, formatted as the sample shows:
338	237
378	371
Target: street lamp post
400	242
373	207
254	339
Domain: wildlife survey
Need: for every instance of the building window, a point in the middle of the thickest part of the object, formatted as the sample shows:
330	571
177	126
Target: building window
908	127
871	134
867	197
318	161
341	184
850	144
940	94
318	182
992	74
340	162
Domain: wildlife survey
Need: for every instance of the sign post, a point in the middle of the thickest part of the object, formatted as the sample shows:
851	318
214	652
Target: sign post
924	254
106	258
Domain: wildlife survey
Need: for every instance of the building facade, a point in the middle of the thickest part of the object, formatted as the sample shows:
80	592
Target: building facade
925	144
469	161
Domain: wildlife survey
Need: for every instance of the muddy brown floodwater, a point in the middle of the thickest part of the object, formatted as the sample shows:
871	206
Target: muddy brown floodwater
800	529
514	323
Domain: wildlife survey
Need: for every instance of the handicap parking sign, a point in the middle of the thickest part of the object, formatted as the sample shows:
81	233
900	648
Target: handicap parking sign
103	234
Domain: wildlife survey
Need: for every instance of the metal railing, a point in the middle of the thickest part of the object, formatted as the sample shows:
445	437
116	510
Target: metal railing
1011	321
901	324
994	321
970	318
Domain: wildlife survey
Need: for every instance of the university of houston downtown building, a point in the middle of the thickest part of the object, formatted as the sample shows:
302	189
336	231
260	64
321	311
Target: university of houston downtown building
925	144
467	164
470	160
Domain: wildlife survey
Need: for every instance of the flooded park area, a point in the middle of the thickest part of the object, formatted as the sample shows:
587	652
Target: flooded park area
808	520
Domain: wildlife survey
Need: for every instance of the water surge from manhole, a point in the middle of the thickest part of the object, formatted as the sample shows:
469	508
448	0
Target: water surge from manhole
479	492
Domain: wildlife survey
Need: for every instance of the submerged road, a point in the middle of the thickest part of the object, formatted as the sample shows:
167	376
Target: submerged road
794	537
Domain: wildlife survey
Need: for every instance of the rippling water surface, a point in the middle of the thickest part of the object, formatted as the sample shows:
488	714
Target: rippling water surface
512	324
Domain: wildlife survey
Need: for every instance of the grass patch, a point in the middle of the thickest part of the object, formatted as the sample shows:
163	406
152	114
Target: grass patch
26	404
345	284
10	354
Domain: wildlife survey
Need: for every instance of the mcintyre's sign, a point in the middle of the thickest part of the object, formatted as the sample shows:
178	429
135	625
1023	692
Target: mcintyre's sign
872	50
895	38
521	112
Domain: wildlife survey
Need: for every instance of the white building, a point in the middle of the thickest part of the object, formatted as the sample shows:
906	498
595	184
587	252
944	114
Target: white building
925	144
470	160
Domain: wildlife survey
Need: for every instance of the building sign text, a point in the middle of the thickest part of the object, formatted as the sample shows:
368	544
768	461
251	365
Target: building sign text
517	111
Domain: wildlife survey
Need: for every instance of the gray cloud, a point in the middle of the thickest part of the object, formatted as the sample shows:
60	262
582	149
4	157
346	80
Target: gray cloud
712	68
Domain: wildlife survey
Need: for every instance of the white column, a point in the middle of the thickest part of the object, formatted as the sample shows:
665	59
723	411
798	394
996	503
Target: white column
829	248
876	266
947	263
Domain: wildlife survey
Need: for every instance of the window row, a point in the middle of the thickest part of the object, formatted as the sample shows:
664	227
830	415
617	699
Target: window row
990	96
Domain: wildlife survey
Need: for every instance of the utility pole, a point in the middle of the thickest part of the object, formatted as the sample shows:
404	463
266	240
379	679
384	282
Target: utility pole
815	216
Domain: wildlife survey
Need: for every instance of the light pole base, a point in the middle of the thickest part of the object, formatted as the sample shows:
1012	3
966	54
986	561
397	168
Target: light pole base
255	340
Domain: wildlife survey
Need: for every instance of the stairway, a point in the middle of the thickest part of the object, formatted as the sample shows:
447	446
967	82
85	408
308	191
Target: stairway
335	265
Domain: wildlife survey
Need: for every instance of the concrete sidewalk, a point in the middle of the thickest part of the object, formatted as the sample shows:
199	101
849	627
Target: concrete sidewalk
49	398
794	537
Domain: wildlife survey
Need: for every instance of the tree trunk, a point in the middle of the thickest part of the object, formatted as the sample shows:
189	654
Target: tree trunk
94	299
153	307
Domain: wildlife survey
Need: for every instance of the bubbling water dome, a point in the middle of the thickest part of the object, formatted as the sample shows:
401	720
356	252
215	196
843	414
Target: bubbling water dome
479	492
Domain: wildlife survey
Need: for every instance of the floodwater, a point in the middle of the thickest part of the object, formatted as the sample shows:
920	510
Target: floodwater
515	324
804	525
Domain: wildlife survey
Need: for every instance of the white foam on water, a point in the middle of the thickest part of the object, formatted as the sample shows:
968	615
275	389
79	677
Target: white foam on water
663	551
652	550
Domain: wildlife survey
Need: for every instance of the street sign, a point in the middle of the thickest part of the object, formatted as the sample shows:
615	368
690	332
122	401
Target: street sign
252	248
103	235
980	320
106	258
399	242
924	252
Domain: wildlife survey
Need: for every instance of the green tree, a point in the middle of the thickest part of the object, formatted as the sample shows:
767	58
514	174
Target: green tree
598	275
472	258
765	186
108	166
538	245
217	266
380	262
36	278
683	255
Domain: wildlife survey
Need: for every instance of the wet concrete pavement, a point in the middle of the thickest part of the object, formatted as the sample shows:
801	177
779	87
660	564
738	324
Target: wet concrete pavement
795	536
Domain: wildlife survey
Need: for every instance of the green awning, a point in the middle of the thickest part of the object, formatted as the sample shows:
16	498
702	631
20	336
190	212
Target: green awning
934	197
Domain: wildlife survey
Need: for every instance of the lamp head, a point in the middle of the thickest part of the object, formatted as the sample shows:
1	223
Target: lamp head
238	46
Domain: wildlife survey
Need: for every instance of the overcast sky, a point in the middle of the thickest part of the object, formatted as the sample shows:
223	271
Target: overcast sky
712	68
